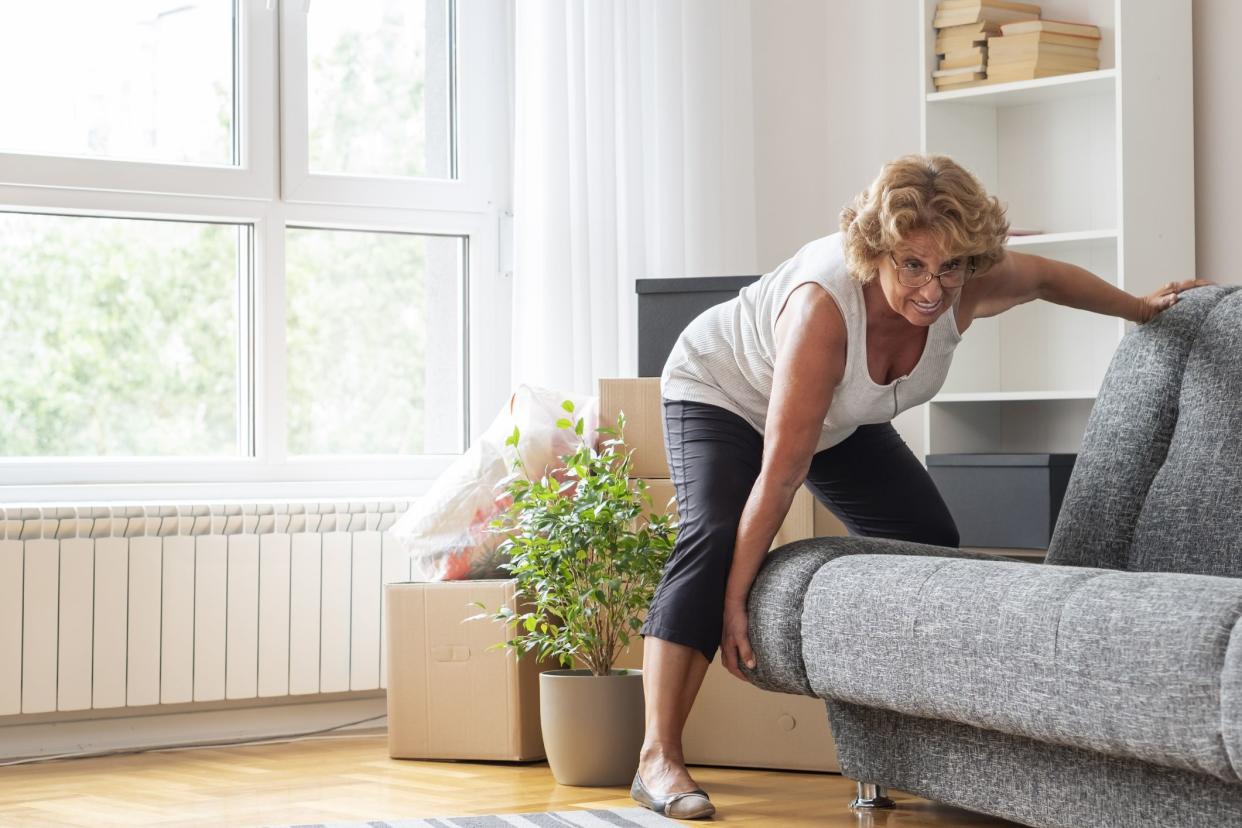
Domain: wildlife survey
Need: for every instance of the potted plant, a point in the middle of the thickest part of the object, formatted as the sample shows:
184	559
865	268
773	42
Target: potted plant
587	551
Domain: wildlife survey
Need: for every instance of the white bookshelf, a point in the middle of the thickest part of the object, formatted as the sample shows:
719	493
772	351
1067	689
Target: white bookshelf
1102	163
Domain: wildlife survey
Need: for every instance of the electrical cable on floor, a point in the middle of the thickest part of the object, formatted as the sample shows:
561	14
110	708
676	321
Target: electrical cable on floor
259	740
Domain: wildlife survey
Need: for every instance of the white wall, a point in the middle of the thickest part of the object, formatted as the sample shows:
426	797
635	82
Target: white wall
836	95
836	90
1218	125
833	94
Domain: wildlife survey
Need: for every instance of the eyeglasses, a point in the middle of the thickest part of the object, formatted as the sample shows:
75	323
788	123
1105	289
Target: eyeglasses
953	275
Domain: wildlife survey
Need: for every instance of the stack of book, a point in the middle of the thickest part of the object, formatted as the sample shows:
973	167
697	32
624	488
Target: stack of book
962	31
1040	48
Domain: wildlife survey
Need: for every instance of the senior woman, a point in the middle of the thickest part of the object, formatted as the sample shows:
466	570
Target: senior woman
795	381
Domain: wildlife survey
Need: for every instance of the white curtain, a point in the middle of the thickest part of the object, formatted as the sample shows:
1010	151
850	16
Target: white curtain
633	158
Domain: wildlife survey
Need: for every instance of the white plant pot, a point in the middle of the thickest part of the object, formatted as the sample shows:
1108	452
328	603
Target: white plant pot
592	725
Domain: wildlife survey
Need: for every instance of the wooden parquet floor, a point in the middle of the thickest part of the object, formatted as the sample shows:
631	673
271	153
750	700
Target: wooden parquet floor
353	779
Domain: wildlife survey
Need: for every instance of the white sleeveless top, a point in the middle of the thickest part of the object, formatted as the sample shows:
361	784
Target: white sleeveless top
726	356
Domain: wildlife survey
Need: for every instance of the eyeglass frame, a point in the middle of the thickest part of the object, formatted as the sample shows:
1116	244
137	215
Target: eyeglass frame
968	268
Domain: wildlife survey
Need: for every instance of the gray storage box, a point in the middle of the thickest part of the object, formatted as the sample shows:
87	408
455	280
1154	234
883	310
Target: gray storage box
667	306
1003	500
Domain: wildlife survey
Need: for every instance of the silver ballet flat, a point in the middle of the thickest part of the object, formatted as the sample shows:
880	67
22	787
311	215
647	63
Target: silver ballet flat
684	805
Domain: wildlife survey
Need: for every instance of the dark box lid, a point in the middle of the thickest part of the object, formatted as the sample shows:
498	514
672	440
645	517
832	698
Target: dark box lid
986	459
693	284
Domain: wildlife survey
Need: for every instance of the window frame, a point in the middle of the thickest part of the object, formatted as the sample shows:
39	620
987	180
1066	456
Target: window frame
465	192
253	177
474	207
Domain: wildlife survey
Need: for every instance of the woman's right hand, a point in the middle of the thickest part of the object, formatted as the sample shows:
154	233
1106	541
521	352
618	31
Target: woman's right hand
735	641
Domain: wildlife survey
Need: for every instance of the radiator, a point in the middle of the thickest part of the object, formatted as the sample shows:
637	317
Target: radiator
107	607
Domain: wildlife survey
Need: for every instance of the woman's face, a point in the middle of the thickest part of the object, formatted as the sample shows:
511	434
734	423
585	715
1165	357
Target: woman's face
917	305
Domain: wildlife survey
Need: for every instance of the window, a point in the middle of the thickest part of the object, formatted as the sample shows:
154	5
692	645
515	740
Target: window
208	292
144	81
379	89
374	333
122	335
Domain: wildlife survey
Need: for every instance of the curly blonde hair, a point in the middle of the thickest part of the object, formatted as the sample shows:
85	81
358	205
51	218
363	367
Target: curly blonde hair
931	193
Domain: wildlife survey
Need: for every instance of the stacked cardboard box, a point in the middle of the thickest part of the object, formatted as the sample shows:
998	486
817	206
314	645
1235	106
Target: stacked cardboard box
962	31
1042	48
452	697
449	695
732	722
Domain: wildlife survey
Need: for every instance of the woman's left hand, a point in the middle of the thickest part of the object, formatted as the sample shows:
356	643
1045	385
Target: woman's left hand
1165	298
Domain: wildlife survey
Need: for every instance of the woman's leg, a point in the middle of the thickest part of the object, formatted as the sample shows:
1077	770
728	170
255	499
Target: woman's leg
714	459
876	486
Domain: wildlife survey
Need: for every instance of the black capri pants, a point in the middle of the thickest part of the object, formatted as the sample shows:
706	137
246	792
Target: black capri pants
871	481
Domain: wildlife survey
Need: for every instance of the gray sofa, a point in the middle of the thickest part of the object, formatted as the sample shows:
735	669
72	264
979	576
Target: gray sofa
1101	688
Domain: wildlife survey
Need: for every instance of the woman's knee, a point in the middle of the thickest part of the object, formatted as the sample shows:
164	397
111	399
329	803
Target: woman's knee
705	550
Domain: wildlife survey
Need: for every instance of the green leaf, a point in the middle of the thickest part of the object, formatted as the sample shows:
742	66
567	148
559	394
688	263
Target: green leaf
568	406
577	540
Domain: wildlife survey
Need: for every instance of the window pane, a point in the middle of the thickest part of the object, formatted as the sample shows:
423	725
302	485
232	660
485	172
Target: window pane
378	86
149	80
375	350
119	336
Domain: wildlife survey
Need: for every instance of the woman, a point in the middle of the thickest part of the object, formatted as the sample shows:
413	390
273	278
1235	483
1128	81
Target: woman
795	381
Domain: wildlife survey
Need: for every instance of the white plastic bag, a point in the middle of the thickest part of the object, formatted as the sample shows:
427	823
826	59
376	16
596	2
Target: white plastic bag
445	531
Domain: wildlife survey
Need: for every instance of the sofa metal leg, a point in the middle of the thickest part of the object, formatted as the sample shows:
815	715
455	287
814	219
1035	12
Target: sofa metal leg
871	797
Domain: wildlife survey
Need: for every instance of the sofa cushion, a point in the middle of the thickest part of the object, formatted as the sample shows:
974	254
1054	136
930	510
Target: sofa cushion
1191	520
1128	436
1126	664
774	605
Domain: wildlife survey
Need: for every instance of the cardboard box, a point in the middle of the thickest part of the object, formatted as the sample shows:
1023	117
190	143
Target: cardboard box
449	697
799	523
732	722
735	724
825	524
639	398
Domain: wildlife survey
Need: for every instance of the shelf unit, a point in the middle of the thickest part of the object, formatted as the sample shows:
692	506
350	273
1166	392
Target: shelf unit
1102	163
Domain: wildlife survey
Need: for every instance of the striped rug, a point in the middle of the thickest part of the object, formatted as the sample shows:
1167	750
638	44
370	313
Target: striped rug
594	818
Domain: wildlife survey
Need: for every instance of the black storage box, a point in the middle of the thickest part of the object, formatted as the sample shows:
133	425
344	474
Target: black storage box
667	306
1003	500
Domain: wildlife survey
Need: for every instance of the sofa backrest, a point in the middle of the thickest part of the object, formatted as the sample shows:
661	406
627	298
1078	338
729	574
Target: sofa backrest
1158	482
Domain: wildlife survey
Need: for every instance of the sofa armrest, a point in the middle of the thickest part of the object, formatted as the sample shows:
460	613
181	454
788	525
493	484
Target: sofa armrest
775	602
1136	664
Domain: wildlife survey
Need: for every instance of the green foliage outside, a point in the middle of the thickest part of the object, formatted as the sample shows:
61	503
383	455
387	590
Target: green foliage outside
586	551
367	96
357	340
120	337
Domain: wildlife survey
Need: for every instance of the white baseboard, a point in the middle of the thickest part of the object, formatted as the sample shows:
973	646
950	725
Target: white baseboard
24	737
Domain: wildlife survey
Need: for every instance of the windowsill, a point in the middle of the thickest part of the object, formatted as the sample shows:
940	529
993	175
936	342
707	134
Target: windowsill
155	494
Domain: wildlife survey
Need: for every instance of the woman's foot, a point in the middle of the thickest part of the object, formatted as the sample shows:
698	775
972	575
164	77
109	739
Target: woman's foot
664	785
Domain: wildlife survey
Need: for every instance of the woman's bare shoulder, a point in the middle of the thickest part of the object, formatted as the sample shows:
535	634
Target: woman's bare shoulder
814	314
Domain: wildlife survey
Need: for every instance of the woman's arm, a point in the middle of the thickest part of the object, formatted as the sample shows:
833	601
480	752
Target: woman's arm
1021	277
810	363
